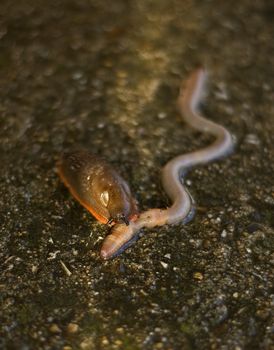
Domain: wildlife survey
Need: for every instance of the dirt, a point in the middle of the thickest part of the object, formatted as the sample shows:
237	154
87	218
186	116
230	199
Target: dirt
105	76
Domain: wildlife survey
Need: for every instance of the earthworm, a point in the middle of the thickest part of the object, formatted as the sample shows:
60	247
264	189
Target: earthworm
189	99
97	186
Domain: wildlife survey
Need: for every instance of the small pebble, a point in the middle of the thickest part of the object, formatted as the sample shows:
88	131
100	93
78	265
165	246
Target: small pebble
118	342
34	268
224	234
252	139
54	328
162	115
198	276
72	328
120	330
105	341
87	344
165	265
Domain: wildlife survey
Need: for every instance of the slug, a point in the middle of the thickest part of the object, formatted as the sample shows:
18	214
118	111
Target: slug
189	99
98	187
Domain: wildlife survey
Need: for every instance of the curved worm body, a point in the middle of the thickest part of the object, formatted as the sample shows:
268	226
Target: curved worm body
97	186
188	102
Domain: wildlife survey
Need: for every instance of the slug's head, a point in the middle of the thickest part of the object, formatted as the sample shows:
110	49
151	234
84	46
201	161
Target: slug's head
118	201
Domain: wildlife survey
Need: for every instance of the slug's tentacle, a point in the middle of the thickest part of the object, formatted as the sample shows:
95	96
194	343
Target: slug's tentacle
190	97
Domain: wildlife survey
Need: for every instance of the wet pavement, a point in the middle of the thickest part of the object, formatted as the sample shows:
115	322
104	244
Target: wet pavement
105	76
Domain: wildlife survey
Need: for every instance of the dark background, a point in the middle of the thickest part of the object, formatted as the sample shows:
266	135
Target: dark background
104	75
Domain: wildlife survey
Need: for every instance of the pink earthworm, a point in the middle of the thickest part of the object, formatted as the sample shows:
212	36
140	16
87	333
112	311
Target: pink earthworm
189	99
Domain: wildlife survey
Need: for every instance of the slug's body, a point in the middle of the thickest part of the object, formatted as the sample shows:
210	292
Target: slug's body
188	103
98	187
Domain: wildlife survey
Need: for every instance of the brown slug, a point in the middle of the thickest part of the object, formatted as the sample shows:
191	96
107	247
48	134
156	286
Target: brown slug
98	187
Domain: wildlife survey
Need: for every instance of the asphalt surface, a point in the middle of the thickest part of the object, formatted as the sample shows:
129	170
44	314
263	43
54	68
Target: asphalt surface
105	75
